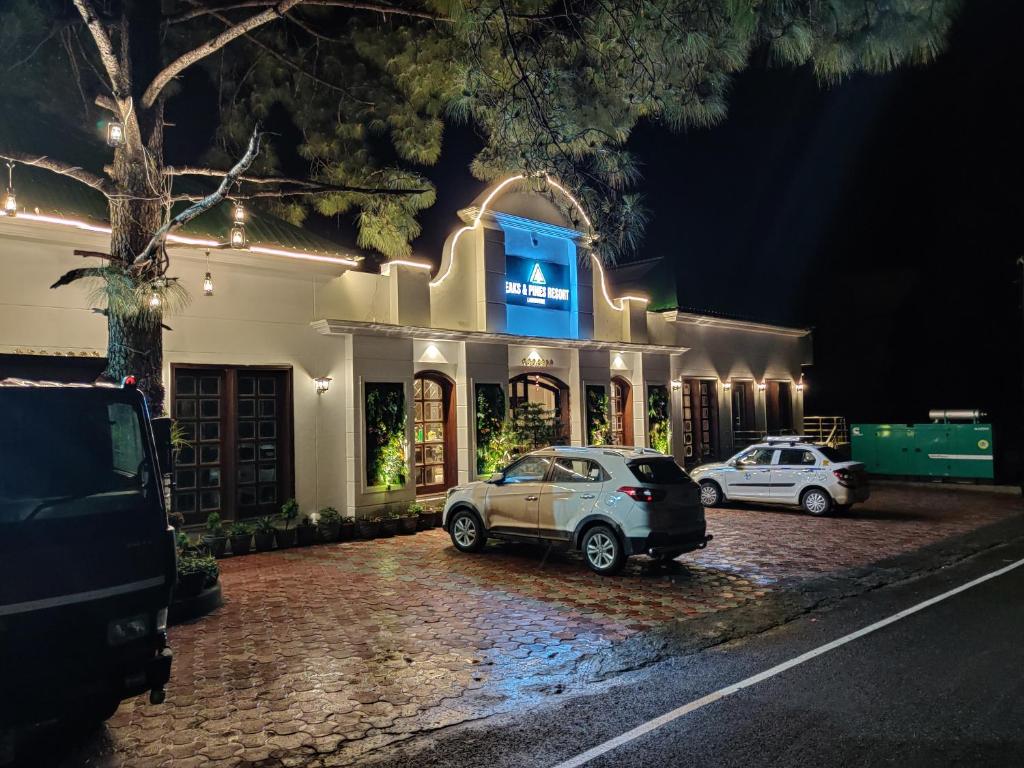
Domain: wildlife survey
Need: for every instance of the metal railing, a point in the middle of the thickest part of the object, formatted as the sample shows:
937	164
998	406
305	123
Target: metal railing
826	430
741	438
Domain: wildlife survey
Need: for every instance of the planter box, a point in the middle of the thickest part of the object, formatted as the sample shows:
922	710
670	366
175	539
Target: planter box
437	518
388	528
426	520
348	531
216	545
305	535
329	532
408	525
240	545
285	537
367	529
189	585
264	542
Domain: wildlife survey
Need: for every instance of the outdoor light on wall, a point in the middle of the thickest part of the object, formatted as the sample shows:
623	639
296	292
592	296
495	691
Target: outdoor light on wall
115	134
800	384
762	386
10	201
726	385
676	385
322	384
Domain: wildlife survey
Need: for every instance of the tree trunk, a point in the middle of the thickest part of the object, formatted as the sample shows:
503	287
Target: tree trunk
135	338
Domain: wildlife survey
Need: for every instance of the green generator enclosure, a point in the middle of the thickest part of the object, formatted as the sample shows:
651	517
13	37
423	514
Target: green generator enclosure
958	451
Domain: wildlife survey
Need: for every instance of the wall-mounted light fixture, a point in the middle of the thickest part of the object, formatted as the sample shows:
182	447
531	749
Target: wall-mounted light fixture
676	385
726	385
115	134
322	384
800	384
762	386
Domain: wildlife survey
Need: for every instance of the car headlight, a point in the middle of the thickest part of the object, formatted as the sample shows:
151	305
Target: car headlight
122	631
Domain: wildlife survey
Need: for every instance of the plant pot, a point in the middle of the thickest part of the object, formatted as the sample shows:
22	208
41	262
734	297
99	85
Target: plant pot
264	542
240	545
216	545
285	537
425	520
388	528
408	525
329	532
189	584
305	535
348	531
367	529
438	518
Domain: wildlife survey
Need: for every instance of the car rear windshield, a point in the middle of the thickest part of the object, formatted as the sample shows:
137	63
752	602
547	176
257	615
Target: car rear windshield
658	472
67	453
832	454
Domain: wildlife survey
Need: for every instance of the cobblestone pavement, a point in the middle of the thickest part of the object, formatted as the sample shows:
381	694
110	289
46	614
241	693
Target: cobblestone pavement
322	654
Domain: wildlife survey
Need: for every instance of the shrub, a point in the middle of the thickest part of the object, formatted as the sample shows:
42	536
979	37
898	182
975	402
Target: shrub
289	511
213	524
205	564
330	515
239	528
265	525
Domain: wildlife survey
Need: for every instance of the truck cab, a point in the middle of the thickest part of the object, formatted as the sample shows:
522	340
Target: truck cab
87	560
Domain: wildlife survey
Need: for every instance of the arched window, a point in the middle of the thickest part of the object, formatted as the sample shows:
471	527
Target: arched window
548	392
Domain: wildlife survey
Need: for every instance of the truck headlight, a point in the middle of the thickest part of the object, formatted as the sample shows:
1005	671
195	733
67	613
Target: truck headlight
161	620
122	631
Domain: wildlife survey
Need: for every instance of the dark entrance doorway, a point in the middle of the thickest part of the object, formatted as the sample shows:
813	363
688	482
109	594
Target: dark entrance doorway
434	428
779	407
545	390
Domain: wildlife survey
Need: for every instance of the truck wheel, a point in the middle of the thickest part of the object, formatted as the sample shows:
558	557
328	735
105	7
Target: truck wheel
603	550
710	494
816	502
466	532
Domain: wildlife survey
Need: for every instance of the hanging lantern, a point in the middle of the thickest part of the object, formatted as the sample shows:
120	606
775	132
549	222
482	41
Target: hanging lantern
208	285
154	300
239	213
237	238
115	134
10	201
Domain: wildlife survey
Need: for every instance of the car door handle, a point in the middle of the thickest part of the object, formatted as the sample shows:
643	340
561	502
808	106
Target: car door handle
532	498
586	495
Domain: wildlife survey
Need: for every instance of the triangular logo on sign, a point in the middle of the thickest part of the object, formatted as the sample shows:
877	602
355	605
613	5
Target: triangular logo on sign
537	277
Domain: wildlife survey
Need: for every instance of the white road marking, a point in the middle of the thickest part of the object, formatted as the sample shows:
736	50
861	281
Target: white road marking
721	693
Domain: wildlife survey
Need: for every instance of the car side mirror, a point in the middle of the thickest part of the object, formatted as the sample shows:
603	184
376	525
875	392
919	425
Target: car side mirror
497	478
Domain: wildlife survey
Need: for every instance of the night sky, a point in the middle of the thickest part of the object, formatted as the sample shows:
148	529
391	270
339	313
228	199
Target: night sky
885	212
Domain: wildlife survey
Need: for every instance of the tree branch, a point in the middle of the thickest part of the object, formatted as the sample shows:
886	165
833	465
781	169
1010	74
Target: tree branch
118	82
77	274
57	166
93	254
189	58
208	202
305	186
382	8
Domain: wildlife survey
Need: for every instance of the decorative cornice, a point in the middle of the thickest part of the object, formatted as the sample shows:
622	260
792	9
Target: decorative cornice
329	327
689	318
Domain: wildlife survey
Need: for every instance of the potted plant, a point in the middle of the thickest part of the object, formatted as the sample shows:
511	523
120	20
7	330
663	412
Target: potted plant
388	525
194	574
367	528
348	529
240	536
265	531
408	522
329	524
286	536
306	532
424	519
214	539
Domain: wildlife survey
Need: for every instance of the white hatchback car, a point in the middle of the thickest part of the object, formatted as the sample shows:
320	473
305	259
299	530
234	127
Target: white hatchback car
610	502
785	470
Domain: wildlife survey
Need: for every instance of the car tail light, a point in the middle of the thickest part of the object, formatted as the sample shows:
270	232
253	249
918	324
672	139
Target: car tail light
642	494
844	476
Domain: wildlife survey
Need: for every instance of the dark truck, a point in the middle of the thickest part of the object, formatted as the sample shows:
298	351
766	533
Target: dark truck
87	560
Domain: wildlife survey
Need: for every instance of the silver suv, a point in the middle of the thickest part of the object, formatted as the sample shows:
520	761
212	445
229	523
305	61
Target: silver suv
609	502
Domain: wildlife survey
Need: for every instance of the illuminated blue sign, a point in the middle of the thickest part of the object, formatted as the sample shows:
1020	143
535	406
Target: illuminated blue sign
535	283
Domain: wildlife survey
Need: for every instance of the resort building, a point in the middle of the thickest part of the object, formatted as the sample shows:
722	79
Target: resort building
298	371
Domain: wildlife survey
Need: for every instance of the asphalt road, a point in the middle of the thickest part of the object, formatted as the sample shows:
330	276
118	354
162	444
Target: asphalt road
944	686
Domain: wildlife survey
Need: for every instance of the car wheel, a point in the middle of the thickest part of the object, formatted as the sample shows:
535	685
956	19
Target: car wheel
466	532
816	502
603	550
710	494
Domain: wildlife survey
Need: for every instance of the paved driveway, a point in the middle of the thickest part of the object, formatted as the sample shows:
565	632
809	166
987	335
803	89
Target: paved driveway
324	653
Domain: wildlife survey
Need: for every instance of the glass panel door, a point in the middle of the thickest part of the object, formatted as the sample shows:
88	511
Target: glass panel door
430	417
198	468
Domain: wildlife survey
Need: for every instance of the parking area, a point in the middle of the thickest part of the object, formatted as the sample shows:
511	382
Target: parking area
323	653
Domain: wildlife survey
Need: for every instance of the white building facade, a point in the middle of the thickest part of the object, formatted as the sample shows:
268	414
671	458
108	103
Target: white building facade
419	362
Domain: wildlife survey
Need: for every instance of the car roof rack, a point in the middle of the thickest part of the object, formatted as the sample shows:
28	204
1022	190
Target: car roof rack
787	439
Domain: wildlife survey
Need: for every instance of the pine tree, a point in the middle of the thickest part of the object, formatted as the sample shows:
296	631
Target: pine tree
553	87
